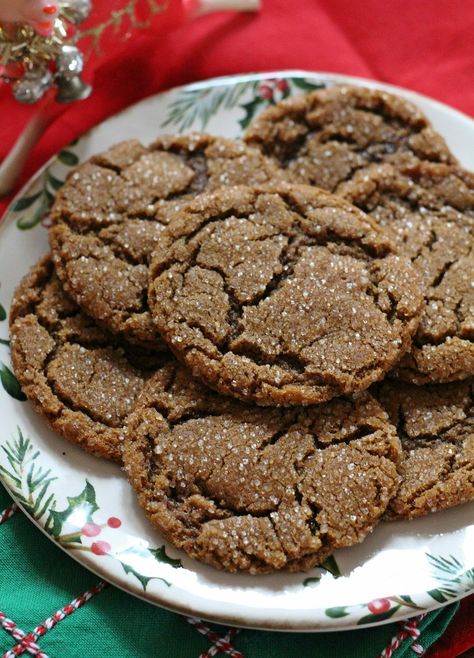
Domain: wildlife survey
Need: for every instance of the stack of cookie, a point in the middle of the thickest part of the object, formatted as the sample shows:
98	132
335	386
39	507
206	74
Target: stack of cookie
214	312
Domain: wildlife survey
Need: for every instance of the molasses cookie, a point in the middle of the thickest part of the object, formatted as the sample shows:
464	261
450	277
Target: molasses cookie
107	219
285	296
256	489
429	210
75	374
323	137
435	423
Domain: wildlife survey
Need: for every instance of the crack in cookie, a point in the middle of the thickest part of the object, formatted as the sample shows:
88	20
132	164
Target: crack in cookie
435	424
255	489
112	210
80	378
285	295
324	137
429	210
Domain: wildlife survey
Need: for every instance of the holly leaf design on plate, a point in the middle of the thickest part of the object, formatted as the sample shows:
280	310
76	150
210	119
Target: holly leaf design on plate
161	555
68	158
3	314
27	222
331	566
336	612
54	182
374	618
84	505
136	554
251	108
25	202
307	86
10	383
438	595
144	580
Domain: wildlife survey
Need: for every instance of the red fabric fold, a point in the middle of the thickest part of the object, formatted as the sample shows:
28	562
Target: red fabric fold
459	636
423	45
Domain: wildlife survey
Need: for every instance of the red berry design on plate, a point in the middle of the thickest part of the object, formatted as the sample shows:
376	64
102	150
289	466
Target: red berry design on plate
101	548
379	606
91	530
266	92
114	522
282	85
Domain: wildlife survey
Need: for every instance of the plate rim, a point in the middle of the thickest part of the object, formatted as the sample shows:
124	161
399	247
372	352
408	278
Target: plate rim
236	78
241	619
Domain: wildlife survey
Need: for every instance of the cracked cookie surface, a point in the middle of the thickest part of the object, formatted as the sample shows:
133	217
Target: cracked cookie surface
284	296
429	210
108	216
323	137
254	489
435	423
77	376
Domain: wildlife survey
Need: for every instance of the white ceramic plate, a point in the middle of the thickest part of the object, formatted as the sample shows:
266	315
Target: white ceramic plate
86	505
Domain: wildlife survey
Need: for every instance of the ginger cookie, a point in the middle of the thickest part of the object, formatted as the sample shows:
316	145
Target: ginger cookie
255	489
429	210
435	423
282	296
77	376
323	137
108	217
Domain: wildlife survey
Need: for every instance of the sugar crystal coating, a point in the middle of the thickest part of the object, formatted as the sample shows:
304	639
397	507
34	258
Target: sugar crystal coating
283	296
435	423
251	489
82	380
109	214
429	210
322	138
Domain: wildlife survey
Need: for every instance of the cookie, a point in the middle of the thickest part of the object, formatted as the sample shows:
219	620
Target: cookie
107	219
429	209
284	297
75	374
435	423
256	489
323	137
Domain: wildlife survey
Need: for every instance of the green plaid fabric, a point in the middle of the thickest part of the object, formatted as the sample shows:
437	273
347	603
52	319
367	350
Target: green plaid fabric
41	588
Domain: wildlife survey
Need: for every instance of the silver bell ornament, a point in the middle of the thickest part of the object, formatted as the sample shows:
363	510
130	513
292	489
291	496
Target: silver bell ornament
33	85
71	89
69	65
75	11
48	58
69	62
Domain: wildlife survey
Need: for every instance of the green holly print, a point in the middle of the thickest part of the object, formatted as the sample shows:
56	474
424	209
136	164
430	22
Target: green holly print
39	203
194	108
76	527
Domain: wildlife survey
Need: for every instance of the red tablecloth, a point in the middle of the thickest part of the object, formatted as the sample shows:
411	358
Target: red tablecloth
425	45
